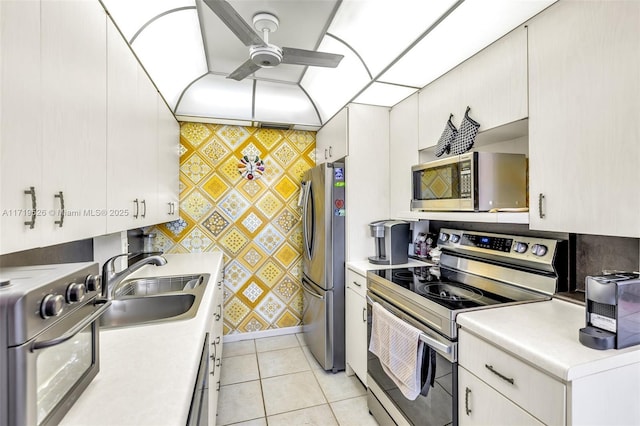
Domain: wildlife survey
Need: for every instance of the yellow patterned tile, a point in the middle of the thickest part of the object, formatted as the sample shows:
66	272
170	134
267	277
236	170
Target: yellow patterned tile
177	229
178	249
233	241
195	133
296	305
235	275
285	154
229	170
196	241
298	168
234	135
301	139
235	311
288	319
252	292
250	147
216	223
286	188
287	288
268	137
215	151
286	255
195	168
270	308
195	205
162	242
270	273
252	222
215	187
185	185
185	149
272	170
296	237
269	204
252	256
253	322
251	189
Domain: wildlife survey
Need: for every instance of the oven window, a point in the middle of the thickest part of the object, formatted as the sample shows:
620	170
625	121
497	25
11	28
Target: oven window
440	183
60	367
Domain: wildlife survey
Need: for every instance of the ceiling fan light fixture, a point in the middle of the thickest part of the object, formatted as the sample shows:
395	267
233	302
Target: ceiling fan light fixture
267	56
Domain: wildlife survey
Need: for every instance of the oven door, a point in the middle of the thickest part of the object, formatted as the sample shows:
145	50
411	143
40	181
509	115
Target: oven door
48	373
387	403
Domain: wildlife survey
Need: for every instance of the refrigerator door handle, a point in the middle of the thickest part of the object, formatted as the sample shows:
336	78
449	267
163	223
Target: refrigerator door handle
310	291
305	211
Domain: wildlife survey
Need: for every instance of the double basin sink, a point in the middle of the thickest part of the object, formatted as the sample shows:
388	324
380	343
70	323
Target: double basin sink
155	299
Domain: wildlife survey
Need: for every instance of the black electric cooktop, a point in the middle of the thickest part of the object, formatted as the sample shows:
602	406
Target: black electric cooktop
448	293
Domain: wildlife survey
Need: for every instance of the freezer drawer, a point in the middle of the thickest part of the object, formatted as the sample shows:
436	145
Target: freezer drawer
317	328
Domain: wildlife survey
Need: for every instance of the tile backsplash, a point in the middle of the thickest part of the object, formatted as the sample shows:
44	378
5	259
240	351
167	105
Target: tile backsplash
255	223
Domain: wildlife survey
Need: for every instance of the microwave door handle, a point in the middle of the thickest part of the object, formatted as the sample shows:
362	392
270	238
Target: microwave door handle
427	340
71	333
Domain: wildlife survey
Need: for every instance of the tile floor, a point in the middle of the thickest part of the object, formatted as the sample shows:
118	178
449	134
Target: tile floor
276	381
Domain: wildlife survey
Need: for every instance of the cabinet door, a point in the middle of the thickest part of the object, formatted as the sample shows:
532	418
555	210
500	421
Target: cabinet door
584	134
332	139
216	330
168	164
493	83
479	404
403	153
356	333
74	103
20	124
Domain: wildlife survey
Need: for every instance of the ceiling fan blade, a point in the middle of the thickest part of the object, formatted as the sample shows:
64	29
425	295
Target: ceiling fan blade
244	70
309	57
234	21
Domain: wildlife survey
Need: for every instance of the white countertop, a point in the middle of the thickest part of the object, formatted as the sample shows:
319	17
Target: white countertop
362	266
545	334
148	372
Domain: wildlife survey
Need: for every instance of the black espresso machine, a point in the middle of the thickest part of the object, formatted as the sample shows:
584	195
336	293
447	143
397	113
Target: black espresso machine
613	311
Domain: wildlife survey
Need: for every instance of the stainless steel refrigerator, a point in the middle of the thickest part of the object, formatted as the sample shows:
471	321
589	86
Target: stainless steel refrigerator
323	267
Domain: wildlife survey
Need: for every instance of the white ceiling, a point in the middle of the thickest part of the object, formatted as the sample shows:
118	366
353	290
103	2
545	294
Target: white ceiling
391	49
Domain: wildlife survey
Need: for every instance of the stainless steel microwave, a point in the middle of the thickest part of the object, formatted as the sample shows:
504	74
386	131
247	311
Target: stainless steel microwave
474	181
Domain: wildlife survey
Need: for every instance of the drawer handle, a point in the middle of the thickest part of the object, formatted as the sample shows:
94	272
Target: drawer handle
61	221
467	410
503	377
540	200
135	215
218	314
364	314
357	283
32	223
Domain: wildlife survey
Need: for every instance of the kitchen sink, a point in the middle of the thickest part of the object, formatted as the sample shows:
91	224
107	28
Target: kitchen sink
155	299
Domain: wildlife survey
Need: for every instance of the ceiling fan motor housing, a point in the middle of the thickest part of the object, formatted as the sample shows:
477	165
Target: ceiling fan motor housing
267	56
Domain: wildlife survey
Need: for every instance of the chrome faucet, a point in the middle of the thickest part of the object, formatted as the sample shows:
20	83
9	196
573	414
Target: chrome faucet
111	278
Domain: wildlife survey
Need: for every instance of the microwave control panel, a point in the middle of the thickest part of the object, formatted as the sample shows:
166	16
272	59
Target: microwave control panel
466	179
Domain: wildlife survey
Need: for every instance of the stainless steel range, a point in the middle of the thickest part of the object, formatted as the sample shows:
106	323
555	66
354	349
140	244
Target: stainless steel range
477	271
49	340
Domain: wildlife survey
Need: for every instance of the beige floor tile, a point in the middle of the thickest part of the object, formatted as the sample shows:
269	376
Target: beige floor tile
283	361
237	369
339	386
256	422
242	347
240	402
312	361
291	392
277	342
319	415
353	412
300	338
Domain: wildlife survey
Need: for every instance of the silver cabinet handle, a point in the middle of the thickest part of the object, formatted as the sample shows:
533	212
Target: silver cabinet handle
503	377
540	211
330	151
218	362
144	209
467	410
357	283
61	221
218	314
218	386
170	208
32	223
135	215
325	153
364	314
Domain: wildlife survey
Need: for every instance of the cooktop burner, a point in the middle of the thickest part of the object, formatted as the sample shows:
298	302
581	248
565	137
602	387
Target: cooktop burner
426	282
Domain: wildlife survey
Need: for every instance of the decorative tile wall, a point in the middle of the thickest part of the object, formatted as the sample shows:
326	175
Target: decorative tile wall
255	223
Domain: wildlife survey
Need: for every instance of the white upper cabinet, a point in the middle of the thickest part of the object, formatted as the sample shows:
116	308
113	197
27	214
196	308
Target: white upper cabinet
584	133
493	83
74	67
20	125
403	153
168	164
332	141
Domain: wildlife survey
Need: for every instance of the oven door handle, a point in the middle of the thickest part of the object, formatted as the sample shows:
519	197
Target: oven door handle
427	340
71	333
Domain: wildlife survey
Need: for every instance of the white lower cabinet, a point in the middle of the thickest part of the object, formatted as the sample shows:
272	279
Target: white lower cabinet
521	394
216	330
356	324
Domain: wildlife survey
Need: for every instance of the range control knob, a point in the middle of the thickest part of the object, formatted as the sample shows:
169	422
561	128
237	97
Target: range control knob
455	238
93	282
444	237
75	292
51	305
520	247
539	249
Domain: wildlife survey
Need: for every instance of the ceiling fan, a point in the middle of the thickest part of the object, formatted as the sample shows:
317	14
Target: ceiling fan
262	53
